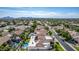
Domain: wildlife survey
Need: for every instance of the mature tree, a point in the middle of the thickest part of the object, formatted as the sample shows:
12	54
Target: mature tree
49	33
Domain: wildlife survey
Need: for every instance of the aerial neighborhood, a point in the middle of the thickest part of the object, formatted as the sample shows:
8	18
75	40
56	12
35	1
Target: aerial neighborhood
39	29
38	35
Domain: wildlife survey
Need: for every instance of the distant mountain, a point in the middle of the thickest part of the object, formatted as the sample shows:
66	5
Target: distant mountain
8	17
24	17
11	18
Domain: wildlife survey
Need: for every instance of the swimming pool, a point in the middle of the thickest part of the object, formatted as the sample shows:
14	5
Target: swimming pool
25	45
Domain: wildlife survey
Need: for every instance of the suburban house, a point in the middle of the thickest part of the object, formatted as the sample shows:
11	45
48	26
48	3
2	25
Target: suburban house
75	35
5	38
40	40
58	27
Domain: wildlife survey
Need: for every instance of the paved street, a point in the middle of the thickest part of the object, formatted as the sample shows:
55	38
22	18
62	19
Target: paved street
63	43
66	46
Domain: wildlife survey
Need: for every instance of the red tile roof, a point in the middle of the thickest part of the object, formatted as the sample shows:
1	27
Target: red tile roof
40	32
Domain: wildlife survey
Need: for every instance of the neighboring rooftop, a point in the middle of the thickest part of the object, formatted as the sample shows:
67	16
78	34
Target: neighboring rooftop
4	39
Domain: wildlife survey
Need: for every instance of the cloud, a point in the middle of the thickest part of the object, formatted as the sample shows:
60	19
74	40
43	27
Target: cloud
42	14
55	15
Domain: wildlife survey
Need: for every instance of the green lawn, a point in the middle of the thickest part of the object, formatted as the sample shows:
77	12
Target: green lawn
53	32
58	47
77	48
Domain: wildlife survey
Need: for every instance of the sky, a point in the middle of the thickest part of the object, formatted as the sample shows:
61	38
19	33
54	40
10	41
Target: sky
40	12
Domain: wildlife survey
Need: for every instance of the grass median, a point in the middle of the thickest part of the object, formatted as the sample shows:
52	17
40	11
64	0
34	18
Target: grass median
58	47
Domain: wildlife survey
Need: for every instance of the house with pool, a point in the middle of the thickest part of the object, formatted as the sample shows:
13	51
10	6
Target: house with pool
40	40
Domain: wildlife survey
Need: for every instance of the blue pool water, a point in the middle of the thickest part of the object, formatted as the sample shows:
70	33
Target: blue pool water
15	44
25	45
